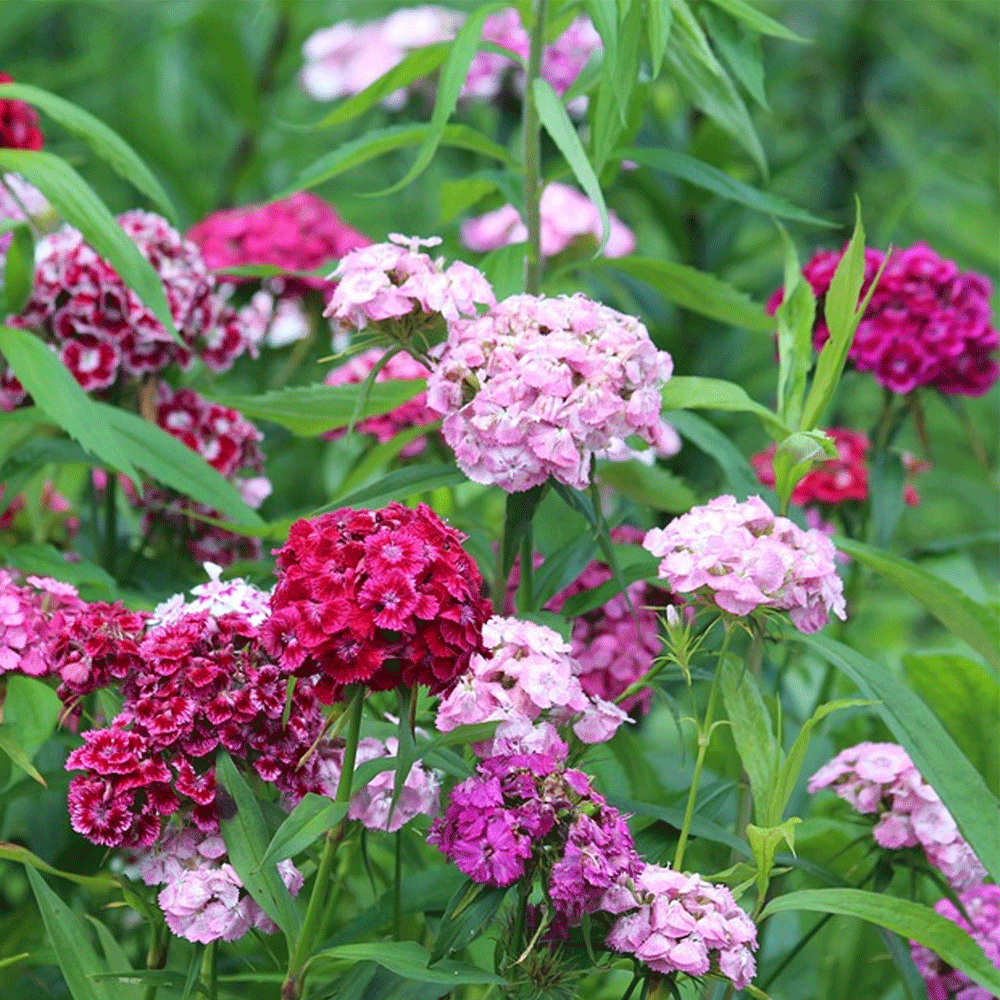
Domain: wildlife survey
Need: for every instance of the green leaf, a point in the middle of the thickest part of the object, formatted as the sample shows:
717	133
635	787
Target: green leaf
519	510
10	745
504	269
408	960
659	15
740	51
59	395
46	560
563	567
305	824
19	264
313	409
970	621
648	484
556	121
21	855
31	710
696	291
163	457
105	142
417	64
709	178
909	920
116	962
400	484
793	459
684	392
70	941
742	481
246	837
795	317
701	827
641	566
933	752
469	910
764	842
754	19
77	204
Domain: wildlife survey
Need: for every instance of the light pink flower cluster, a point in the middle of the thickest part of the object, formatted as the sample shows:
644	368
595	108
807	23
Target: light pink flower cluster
927	323
217	597
100	327
526	673
413	413
982	904
346	58
566	215
204	899
539	386
396	281
33	614
879	778
19	201
675	922
740	557
372	805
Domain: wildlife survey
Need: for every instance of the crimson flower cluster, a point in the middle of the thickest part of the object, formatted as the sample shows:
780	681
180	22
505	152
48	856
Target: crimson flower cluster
18	123
525	811
381	597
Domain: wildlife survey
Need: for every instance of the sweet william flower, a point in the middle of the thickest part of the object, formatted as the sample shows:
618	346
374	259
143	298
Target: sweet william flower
18	123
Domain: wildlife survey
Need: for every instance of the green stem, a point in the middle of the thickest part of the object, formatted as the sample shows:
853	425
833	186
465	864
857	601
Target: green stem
526	588
533	156
110	524
397	891
209	977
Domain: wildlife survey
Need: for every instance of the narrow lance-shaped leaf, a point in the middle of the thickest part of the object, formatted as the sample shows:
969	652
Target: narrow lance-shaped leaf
757	21
19	265
684	392
795	317
659	15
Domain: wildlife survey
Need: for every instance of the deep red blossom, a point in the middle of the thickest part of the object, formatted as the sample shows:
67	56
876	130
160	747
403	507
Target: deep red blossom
396	598
18	123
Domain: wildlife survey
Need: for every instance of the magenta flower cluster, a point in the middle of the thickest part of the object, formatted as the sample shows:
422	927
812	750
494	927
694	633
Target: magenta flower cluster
740	557
203	898
538	387
943	982
396	281
526	673
413	413
880	779
927	323
567	215
674	922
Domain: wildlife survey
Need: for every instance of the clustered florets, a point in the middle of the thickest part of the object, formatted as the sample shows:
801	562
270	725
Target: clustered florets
35	615
381	597
537	387
740	557
18	123
880	778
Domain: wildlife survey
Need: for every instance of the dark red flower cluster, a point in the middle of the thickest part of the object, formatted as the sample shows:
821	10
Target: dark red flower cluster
927	323
202	683
299	233
18	123
840	479
100	326
381	597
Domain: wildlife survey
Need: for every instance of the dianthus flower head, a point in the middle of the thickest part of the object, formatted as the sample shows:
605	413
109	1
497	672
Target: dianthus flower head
412	413
674	922
204	899
217	597
740	557
926	324
566	215
527	811
539	386
982	904
298	233
880	779
100	327
18	123
381	597
401	290
527	672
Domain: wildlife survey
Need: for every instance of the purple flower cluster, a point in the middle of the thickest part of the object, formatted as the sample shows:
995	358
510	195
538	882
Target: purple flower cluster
526	672
740	557
539	386
879	778
525	812
675	922
982	904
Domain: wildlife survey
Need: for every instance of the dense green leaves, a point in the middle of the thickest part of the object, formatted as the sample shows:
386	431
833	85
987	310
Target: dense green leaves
408	960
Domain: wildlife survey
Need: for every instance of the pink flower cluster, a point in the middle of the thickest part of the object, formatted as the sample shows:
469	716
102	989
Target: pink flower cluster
298	233
346	58
740	557
566	215
18	123
101	328
396	281
841	479
539	386
204	899
372	805
982	904
927	323
879	778
381	597
525	812
413	413
675	922
526	673
33	615
19	201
